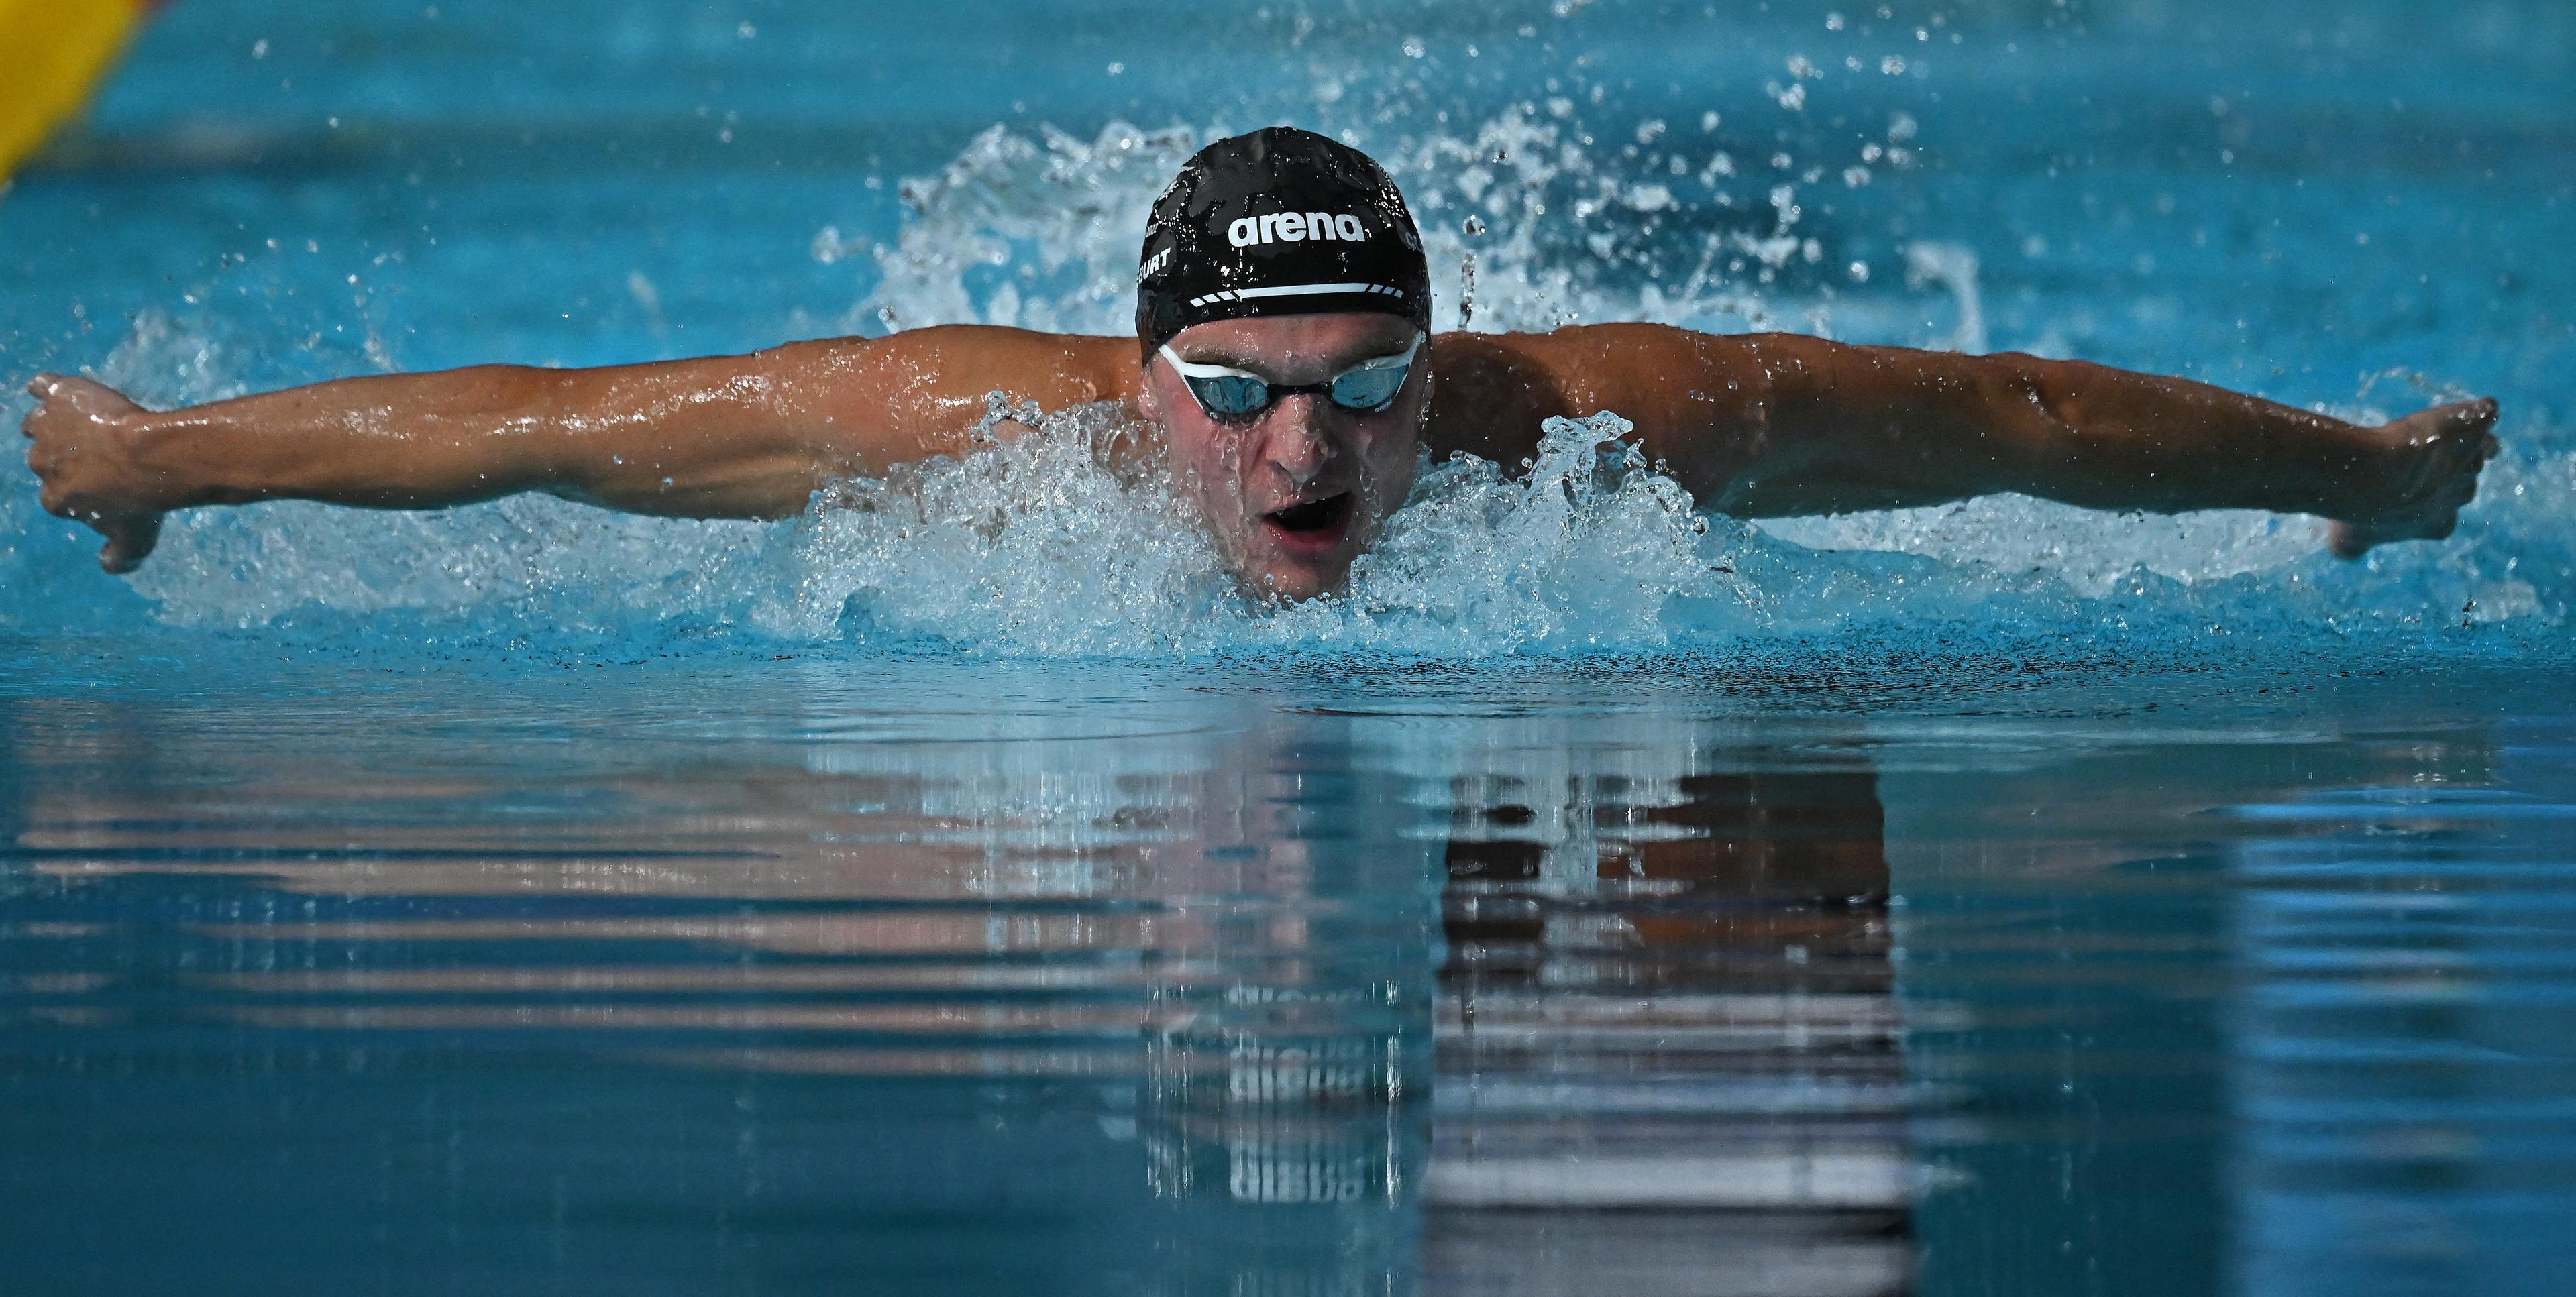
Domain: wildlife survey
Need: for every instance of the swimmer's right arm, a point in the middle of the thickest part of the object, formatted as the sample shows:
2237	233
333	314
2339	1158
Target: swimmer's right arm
716	437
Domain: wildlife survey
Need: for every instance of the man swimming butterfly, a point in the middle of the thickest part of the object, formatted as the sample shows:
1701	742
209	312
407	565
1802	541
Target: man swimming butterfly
1284	371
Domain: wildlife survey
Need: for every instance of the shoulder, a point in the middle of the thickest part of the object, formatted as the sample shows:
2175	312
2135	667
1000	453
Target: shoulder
1576	342
1490	393
1496	388
966	361
1581	362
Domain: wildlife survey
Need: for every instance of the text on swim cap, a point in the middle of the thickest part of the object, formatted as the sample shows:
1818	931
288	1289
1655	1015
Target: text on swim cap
1294	227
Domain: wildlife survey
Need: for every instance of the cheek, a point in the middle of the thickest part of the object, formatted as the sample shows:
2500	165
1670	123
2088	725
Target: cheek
1399	477
1210	469
1391	462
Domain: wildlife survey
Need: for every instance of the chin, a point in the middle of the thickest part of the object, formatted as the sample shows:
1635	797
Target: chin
1289	582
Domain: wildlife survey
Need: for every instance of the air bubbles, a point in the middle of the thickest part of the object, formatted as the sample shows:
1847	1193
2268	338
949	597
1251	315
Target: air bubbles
1473	226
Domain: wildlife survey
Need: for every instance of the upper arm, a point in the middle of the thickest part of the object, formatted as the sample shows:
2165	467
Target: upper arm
872	403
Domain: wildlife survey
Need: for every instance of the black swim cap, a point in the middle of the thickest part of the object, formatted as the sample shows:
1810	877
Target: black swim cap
1278	222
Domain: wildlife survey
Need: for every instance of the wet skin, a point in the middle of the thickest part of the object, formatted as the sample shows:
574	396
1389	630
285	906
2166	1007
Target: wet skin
1292	495
1753	425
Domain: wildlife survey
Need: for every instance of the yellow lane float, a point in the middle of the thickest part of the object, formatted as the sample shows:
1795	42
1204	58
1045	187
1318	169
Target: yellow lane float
55	50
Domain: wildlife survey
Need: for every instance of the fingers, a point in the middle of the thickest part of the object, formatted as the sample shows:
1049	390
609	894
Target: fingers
129	542
2471	423
42	388
2484	418
130	537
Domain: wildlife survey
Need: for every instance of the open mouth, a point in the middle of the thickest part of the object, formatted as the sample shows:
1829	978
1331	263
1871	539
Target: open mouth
1316	524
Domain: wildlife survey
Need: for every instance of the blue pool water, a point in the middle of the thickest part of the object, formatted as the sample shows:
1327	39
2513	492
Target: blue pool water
1987	899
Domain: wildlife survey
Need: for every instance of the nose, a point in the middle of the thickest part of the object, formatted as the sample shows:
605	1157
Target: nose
1298	446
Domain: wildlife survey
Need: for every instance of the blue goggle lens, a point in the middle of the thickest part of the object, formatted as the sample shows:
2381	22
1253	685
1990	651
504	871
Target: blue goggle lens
1231	395
1368	389
1237	396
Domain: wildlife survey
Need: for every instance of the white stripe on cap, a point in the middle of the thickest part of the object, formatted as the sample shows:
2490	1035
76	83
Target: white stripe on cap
1294	290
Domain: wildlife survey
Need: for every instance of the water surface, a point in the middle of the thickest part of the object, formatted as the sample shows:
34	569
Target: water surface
966	896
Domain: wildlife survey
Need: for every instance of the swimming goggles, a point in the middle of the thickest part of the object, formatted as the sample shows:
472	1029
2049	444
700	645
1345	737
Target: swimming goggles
1232	394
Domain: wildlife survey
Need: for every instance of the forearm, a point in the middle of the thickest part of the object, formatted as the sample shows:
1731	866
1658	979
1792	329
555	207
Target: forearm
701	438
1872	427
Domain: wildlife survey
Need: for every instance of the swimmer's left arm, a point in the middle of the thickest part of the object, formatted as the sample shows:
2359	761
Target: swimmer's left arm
1767	425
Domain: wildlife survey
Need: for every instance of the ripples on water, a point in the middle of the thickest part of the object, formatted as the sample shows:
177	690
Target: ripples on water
1997	898
941	978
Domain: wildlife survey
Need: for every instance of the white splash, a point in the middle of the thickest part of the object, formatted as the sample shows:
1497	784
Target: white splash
1035	233
1032	546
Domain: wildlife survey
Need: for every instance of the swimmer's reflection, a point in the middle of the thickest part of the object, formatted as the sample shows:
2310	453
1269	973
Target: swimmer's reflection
1181	990
1663	1017
1668	1052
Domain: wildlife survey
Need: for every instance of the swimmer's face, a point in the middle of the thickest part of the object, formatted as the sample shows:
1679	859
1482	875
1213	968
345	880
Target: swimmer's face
1293	494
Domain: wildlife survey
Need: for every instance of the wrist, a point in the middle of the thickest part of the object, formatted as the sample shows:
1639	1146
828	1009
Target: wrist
167	452
2360	473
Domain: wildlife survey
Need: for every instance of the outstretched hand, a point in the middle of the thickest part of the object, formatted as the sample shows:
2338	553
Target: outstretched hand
85	436
2428	469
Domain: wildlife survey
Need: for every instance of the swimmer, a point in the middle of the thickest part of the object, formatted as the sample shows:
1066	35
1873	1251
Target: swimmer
1283	373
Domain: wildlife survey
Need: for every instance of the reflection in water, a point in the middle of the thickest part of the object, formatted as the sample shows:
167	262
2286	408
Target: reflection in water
749	1013
1169	990
1668	1053
2407	1041
1143	1014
